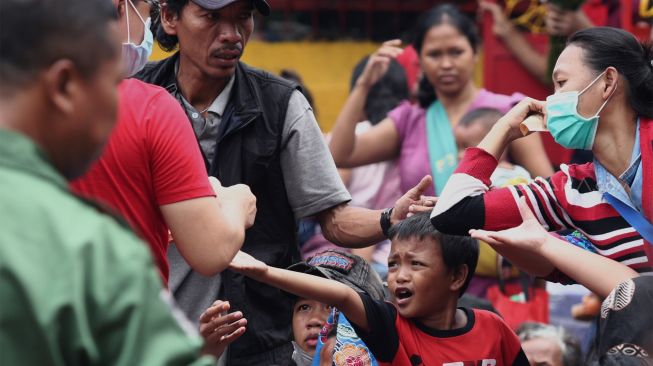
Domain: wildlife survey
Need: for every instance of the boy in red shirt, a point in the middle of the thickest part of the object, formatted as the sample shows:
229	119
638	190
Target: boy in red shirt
428	271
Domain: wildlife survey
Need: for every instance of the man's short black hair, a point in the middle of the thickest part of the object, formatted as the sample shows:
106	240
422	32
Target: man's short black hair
36	33
456	250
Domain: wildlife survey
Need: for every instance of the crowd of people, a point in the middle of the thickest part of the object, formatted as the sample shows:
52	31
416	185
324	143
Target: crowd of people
150	210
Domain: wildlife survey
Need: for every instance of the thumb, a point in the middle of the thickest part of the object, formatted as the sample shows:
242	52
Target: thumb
416	192
524	210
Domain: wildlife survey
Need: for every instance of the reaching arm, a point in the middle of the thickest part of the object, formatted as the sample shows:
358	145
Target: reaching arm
355	227
530	240
209	231
599	274
467	202
467	194
304	285
516	43
351	227
348	150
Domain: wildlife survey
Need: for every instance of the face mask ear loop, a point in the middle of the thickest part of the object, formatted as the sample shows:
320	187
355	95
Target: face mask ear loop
136	11
129	40
616	83
592	83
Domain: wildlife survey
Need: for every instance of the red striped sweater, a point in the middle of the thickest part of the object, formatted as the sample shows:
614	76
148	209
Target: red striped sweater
567	200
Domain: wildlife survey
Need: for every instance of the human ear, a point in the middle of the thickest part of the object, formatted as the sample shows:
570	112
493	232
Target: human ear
611	82
120	6
62	85
169	20
458	277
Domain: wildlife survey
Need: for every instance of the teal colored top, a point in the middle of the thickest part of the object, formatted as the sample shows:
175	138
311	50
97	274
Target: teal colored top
76	287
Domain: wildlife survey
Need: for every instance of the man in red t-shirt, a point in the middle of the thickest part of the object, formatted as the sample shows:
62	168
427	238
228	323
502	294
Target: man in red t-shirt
153	174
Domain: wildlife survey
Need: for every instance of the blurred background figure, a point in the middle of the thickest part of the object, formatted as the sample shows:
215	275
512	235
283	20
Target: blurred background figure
548	345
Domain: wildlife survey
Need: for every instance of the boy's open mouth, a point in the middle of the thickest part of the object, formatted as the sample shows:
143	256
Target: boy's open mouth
402	294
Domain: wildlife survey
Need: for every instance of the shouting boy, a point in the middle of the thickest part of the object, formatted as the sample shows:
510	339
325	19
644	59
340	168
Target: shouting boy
428	272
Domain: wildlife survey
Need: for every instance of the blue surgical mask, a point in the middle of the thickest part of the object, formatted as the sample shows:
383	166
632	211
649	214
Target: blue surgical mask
567	127
135	57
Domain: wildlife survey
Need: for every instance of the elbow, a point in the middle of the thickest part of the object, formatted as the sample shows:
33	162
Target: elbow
340	160
218	254
341	225
341	156
209	270
207	266
330	233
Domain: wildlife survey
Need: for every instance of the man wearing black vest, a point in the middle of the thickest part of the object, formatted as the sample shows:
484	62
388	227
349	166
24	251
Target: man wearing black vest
257	129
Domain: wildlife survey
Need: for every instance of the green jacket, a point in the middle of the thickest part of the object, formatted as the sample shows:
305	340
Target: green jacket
76	287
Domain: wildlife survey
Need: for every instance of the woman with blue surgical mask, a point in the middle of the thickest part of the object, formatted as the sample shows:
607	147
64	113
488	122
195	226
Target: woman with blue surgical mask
137	46
603	102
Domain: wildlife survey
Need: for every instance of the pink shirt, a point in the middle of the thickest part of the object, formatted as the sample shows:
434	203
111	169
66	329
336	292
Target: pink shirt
410	121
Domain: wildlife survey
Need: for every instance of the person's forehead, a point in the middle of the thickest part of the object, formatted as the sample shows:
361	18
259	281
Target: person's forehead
444	35
478	126
304	301
569	62
413	246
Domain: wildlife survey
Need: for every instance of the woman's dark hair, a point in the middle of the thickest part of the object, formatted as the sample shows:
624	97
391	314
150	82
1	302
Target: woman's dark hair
441	14
166	41
386	94
604	47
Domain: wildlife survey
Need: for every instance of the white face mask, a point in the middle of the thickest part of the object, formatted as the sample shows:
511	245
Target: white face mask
134	56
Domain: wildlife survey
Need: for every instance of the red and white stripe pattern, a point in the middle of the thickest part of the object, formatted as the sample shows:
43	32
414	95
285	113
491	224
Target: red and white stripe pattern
568	200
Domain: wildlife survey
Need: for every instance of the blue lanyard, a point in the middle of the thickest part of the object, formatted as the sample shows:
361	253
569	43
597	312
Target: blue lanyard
634	217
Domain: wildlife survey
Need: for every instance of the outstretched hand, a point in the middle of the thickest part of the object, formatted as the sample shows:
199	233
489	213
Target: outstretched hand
220	329
530	235
411	198
249	266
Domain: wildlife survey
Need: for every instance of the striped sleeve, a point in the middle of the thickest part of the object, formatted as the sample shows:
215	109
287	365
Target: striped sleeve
467	201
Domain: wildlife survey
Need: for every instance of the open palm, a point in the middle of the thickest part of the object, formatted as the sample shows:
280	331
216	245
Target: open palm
530	235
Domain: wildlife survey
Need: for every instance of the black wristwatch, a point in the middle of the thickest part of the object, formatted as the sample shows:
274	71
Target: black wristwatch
385	220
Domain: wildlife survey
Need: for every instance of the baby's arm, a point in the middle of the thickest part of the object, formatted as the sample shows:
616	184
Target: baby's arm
331	292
